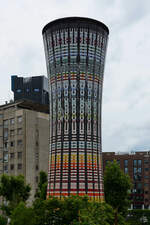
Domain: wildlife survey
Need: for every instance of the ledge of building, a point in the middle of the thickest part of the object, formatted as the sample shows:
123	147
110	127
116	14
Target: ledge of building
26	104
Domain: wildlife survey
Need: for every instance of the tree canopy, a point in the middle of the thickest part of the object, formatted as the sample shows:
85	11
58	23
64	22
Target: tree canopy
14	190
68	211
23	215
138	217
116	188
42	186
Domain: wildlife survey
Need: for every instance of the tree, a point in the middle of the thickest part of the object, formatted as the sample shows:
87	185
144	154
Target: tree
14	190
72	207
73	210
138	217
23	215
59	212
96	214
116	187
48	211
3	220
42	186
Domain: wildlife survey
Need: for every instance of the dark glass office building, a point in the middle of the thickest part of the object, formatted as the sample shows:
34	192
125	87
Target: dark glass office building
30	88
75	50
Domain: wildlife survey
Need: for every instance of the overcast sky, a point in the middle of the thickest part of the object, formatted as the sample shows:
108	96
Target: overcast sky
126	92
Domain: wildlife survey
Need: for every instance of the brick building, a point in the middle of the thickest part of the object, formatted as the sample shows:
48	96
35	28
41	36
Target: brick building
137	165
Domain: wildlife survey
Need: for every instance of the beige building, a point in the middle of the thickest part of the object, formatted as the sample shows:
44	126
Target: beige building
24	140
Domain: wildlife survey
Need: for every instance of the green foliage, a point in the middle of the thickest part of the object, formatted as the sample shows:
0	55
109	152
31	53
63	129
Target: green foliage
68	211
72	211
22	215
60	212
96	214
116	186
3	220
47	211
71	208
138	217
42	186
14	190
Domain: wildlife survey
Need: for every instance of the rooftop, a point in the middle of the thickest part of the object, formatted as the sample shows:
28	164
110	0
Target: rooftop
26	104
77	20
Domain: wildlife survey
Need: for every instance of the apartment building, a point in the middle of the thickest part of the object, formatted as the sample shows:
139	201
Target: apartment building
137	166
24	140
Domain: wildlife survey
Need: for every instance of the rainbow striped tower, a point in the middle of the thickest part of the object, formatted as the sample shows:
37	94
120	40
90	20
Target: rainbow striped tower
75	50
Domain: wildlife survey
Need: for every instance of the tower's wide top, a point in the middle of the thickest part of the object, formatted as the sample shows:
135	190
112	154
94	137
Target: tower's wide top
76	21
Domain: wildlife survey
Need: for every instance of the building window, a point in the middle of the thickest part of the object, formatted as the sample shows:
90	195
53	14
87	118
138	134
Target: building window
19	166
139	170
12	155
139	177
6	145
126	170
146	184
135	163
12	121
134	170
5	123
126	163
6	133
146	169
36	167
36	89
11	166
1	115
12	144
146	177
6	169
146	161
12	132
19	119
27	90
139	162
19	155
139	185
19	131
18	90
5	157
139	191
19	142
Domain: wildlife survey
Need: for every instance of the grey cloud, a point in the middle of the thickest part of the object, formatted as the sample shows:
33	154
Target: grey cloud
135	10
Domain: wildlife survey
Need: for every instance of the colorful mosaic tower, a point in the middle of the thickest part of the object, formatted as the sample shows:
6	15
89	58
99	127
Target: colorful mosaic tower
75	50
